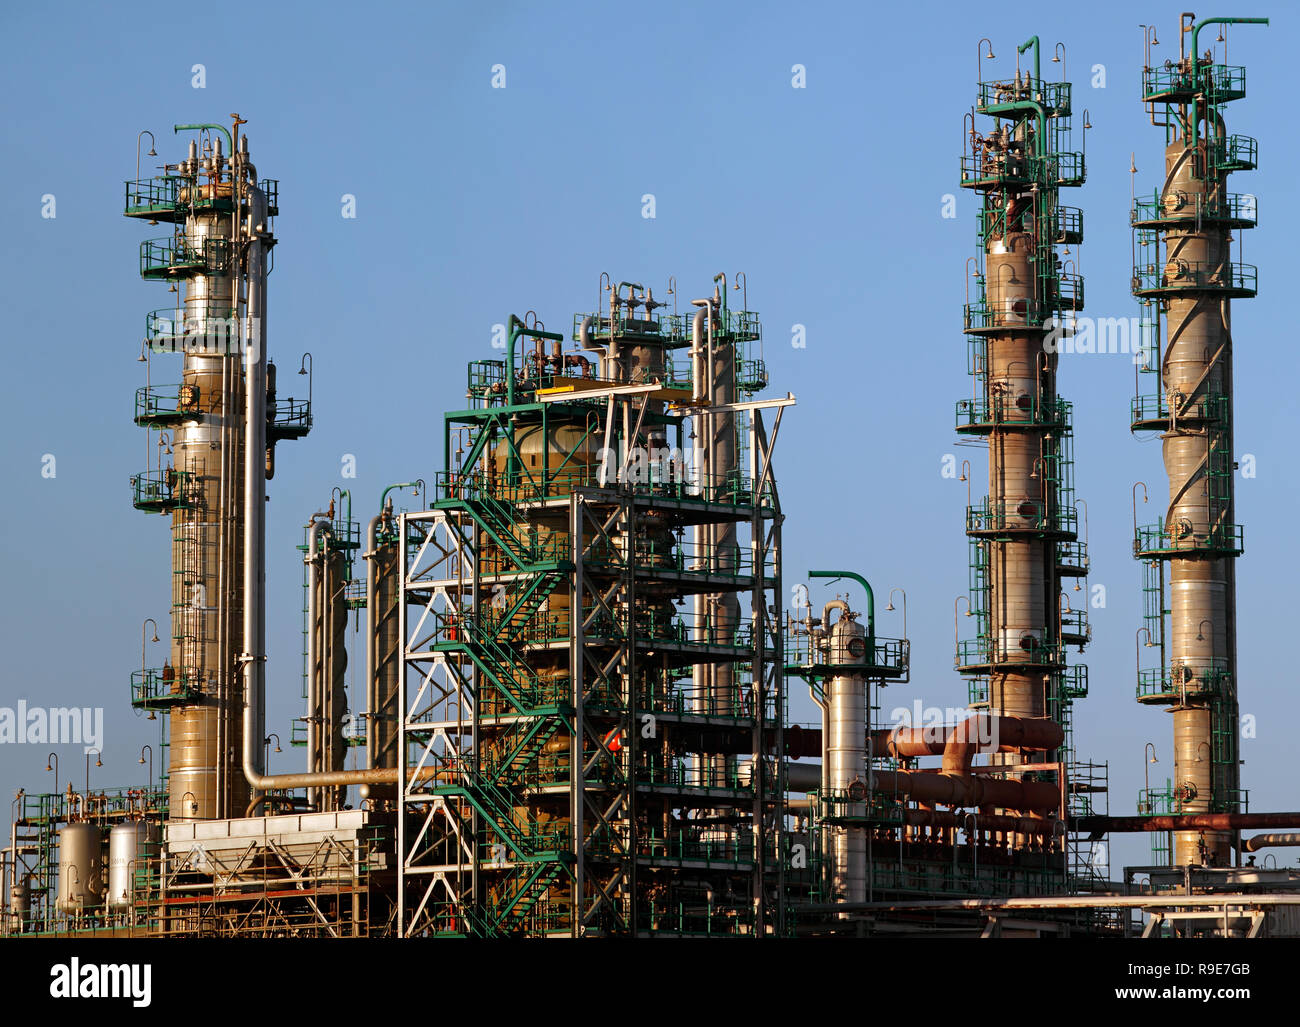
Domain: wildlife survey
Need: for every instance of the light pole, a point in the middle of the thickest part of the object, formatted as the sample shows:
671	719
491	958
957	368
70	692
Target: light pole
956	637
890	605
981	58
1146	770
98	763
54	759
306	368
152	153
267	758
143	749
1143	486
147	620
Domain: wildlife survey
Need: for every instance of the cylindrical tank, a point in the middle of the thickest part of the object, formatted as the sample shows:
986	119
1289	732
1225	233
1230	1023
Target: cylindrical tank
81	868
846	756
20	903
131	847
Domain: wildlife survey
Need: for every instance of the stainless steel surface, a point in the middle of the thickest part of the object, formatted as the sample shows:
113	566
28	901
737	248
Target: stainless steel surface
132	850
80	884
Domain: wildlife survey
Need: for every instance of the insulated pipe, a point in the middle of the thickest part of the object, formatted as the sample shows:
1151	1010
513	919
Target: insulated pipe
1187	822
697	351
1005	734
253	657
957	790
927	786
372	601
1277	839
313	679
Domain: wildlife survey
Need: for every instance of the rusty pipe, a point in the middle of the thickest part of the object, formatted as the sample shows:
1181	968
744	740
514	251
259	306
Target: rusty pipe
1007	734
968	790
1187	822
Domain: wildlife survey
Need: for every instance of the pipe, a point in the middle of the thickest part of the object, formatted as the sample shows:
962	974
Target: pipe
1196	32
253	656
313	614
1031	41
1262	841
1098	826
230	145
958	790
1005	734
518	328
871	603
372	601
697	352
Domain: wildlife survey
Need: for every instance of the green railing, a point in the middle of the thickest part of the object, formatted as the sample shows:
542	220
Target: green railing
160	404
1219	82
1235	153
271	187
986	650
1238	210
1178	275
288	419
174	257
1072	558
205	323
1053	96
1074	681
1075	626
1064	168
1159	539
996	169
1210	406
155	198
160	491
1021	515
156	688
1005	412
1066	225
1159	684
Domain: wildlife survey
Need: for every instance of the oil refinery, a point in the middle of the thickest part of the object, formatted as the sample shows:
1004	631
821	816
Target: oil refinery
567	707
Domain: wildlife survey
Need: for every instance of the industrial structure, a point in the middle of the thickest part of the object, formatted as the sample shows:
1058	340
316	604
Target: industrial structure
578	674
1185	270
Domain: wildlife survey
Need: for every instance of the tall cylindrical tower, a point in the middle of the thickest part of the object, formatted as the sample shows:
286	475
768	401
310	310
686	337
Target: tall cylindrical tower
1024	538
196	448
1184	269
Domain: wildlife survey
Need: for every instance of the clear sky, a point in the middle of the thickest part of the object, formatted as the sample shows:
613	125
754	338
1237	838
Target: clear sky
474	202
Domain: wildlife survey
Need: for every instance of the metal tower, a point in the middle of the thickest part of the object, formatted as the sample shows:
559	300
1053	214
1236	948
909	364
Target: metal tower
216	206
1184	269
1024	538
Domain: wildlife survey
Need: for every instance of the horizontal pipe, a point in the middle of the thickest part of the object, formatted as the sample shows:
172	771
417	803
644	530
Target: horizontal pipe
1011	734
1276	839
1098	826
1006	734
958	790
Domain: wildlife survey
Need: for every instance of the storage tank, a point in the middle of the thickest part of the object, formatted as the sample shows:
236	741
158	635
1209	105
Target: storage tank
20	903
81	868
130	848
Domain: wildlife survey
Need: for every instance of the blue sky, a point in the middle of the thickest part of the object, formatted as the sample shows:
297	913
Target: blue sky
474	203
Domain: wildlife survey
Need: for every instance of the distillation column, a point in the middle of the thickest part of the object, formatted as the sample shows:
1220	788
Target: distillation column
217	205
1017	663
1185	268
